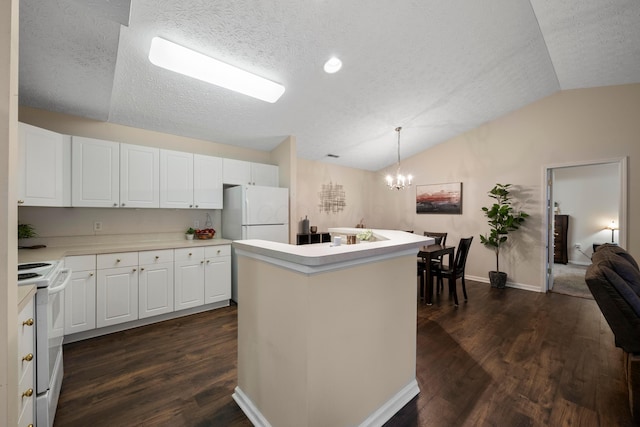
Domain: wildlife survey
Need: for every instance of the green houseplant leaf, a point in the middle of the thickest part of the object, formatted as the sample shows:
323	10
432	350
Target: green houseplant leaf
26	231
502	219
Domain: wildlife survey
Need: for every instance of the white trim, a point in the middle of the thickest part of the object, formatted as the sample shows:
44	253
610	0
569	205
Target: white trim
392	406
547	211
318	269
376	419
514	285
249	409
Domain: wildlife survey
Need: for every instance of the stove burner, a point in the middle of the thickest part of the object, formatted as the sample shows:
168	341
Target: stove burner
32	265
25	276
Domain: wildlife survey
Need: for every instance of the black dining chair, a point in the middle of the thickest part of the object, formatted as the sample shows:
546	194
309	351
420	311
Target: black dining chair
455	271
440	239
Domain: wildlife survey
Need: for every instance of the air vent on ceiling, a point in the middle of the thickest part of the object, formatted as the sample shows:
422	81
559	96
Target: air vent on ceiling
335	156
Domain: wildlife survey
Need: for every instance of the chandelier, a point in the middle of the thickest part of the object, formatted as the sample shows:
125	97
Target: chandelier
399	182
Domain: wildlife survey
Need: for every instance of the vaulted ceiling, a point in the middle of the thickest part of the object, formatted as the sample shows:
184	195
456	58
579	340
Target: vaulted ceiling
436	68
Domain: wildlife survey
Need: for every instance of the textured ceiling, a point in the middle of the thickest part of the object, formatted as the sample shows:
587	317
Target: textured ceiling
435	68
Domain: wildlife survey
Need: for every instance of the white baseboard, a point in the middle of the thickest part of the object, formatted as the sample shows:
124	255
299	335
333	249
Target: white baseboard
514	285
376	419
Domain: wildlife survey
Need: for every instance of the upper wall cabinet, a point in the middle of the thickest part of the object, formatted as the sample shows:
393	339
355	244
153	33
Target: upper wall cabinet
207	182
139	176
44	167
239	172
110	174
190	180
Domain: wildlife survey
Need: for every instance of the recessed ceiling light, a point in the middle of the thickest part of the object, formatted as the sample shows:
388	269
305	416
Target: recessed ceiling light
176	58
333	65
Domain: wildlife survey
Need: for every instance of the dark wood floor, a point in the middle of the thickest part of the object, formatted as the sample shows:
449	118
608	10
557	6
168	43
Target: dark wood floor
506	358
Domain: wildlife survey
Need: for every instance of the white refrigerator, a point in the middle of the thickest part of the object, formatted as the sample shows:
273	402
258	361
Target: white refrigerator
254	212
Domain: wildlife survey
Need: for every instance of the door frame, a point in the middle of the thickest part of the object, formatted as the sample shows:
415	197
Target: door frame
622	163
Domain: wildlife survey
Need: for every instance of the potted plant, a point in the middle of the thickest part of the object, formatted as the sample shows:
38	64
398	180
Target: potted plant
26	231
502	219
190	233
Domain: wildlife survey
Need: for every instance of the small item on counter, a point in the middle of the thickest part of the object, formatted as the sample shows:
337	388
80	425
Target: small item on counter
305	225
26	231
351	239
189	233
313	229
337	240
360	224
365	235
205	233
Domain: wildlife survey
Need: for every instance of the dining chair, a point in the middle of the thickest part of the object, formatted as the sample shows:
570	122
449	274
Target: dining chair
440	239
455	271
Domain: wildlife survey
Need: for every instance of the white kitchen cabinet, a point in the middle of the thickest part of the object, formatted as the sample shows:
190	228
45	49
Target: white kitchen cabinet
176	179
155	283
217	273
139	176
117	289
95	173
189	278
80	294
44	167
207	182
26	364
265	175
240	172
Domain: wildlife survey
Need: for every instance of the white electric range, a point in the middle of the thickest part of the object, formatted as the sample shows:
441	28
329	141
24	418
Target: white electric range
50	279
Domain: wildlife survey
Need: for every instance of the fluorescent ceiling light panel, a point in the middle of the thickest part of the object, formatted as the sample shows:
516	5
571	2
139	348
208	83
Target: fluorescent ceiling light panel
173	57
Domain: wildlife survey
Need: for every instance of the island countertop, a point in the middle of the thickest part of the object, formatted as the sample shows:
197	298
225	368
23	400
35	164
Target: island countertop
384	243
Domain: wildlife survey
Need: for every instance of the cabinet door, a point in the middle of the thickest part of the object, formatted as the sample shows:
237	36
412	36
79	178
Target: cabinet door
44	163
236	172
265	175
176	179
139	176
95	173
156	290
207	182
217	279
117	296
80	302
189	284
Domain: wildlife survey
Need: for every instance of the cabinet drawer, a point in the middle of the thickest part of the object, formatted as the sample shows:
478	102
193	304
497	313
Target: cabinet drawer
80	262
26	390
123	259
26	337
189	254
217	251
155	257
27	416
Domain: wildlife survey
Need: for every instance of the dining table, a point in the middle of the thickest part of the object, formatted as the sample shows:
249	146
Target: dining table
428	254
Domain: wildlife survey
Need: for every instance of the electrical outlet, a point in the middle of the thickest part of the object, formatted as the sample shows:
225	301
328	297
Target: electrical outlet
97	226
577	246
196	224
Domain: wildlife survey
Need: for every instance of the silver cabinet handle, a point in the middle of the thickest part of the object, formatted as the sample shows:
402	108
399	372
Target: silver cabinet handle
90	274
123	204
135	269
115	205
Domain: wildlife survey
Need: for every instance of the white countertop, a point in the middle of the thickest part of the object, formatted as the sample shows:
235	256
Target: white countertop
94	246
387	242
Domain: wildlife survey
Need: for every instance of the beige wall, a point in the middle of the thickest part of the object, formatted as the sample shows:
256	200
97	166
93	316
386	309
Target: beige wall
572	126
8	212
576	126
357	184
284	155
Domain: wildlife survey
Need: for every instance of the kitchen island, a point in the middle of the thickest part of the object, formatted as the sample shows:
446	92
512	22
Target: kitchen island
327	334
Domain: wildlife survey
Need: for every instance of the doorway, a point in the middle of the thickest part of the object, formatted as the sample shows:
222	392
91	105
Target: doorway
586	206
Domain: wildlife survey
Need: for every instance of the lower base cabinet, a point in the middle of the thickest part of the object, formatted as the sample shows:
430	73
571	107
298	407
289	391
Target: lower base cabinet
26	364
111	289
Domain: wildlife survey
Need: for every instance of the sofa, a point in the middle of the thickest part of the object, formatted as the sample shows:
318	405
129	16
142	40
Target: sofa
614	281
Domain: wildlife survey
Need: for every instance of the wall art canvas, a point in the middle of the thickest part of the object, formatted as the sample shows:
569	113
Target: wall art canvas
439	198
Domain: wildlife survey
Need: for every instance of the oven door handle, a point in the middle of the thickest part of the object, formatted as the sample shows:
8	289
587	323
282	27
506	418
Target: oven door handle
54	290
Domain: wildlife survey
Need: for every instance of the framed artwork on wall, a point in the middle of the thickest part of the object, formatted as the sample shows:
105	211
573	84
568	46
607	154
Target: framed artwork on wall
439	198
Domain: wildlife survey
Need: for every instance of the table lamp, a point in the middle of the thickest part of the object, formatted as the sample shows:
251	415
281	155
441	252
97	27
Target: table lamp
613	227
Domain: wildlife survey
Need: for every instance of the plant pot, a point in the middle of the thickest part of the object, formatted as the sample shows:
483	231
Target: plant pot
498	279
189	236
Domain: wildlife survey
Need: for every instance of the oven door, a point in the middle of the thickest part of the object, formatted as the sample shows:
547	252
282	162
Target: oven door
50	329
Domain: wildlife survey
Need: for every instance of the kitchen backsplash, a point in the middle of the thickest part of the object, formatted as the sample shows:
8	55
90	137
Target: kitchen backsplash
54	223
